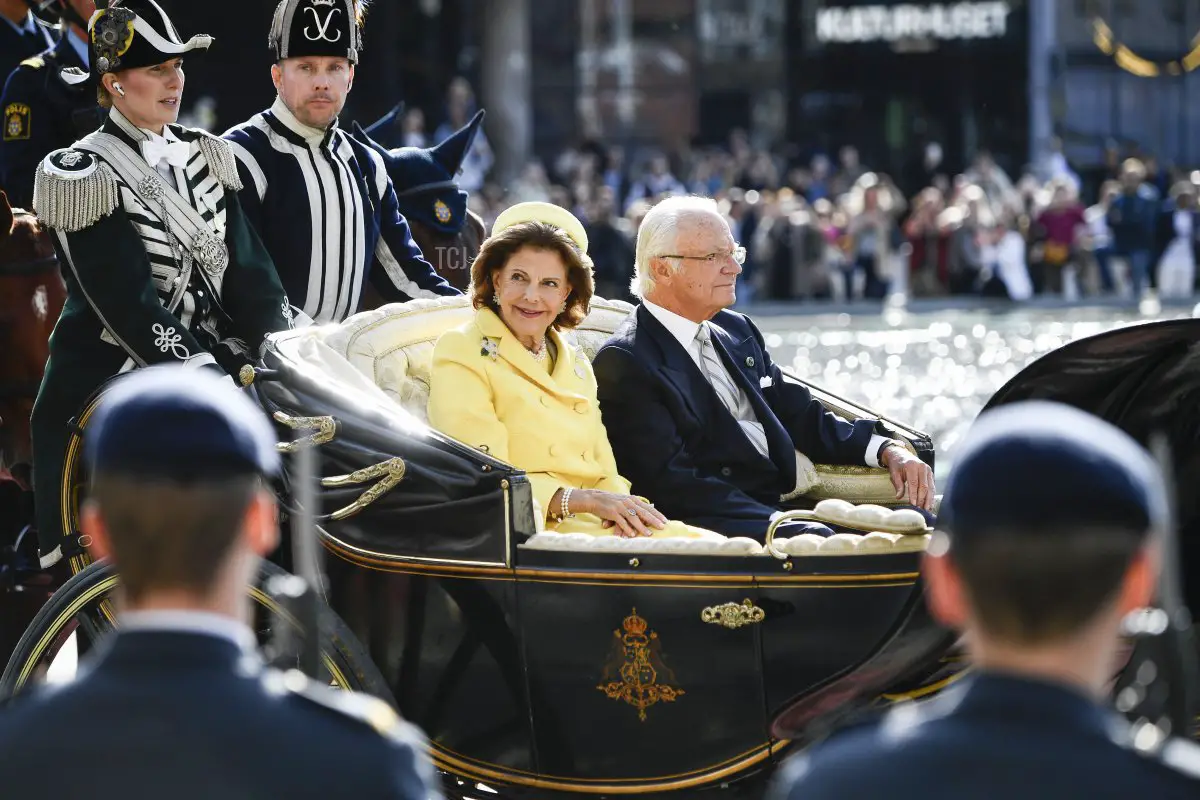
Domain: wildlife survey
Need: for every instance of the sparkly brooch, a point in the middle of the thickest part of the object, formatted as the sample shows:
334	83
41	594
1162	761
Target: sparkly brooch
489	348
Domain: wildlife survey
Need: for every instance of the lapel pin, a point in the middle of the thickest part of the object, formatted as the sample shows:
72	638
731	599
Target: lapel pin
749	361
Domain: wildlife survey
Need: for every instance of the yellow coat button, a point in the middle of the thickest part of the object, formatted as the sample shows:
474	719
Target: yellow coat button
581	407
553	449
544	400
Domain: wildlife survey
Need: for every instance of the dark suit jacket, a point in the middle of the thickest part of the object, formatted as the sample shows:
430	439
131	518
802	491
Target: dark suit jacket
680	447
994	738
184	715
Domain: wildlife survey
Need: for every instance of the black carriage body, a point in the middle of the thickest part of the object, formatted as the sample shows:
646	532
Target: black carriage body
546	671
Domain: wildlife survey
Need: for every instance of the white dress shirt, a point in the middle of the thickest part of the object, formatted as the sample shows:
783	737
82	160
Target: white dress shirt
684	330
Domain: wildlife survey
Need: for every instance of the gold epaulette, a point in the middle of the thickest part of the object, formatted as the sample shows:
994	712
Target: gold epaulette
73	190
221	160
36	62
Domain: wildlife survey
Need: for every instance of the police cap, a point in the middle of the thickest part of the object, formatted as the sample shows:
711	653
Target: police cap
179	424
1036	466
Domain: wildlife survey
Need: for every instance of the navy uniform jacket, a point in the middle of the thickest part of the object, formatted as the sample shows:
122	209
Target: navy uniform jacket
16	47
991	738
680	447
50	114
325	208
166	714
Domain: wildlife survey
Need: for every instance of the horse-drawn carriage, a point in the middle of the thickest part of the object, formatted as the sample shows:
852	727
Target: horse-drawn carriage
538	661
541	664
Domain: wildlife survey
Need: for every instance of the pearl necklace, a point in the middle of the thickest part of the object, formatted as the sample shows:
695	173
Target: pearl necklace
541	354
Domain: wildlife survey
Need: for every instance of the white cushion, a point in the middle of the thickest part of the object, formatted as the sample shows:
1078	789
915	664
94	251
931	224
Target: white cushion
393	345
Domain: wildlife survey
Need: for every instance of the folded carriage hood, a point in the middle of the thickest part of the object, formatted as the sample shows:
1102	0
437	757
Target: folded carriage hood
1143	378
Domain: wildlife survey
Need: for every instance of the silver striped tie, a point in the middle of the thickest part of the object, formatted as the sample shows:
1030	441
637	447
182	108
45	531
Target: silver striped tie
731	396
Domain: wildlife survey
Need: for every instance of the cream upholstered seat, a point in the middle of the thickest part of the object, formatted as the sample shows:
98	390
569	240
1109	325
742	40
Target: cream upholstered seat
388	353
392	347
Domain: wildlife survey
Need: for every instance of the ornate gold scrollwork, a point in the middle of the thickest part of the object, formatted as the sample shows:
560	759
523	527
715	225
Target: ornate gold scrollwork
733	615
636	673
325	428
388	474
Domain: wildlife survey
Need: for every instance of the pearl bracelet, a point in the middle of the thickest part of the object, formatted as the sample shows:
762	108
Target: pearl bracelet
565	504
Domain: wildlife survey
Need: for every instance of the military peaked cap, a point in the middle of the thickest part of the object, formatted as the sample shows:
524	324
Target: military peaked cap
175	423
1034	467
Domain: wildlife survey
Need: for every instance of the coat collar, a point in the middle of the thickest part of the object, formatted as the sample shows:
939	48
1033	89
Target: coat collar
120	126
512	351
1012	698
281	118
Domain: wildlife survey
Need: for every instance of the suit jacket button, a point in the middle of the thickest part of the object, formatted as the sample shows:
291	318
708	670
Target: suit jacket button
726	471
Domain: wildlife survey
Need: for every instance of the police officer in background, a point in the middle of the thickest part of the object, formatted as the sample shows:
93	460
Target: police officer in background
42	111
177	703
321	200
1039	586
22	36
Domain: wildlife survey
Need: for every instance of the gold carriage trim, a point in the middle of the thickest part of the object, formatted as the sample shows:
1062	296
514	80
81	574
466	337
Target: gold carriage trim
637	661
733	615
325	428
388	474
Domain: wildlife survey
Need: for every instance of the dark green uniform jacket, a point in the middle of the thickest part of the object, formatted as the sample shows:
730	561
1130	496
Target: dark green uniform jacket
43	113
136	296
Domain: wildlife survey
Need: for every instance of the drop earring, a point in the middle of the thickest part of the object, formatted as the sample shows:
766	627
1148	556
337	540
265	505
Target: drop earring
496	298
119	89
563	307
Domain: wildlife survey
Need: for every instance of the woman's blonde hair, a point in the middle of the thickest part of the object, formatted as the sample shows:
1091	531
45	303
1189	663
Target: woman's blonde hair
500	247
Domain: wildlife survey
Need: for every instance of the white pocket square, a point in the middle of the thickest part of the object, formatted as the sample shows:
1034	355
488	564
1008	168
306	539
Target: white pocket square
765	381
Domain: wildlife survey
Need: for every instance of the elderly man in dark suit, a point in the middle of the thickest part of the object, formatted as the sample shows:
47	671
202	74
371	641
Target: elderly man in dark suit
1039	587
699	416
177	703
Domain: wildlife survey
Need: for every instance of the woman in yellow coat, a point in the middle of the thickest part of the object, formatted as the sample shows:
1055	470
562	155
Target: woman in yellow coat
508	384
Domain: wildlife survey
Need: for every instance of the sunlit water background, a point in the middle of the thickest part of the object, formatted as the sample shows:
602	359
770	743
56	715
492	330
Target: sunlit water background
933	370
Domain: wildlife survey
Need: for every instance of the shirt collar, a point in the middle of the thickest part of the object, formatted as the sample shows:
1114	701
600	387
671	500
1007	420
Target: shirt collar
27	25
681	328
79	45
314	137
196	622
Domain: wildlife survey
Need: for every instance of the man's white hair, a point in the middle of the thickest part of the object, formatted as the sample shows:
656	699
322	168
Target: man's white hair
659	234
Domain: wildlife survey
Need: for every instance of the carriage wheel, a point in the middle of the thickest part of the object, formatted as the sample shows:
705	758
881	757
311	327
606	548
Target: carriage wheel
83	607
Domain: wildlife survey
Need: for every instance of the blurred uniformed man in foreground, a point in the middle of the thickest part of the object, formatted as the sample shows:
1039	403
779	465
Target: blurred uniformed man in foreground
42	111
1039	587
177	703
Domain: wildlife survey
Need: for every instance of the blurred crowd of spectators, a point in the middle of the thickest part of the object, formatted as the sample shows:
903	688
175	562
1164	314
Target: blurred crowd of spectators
834	229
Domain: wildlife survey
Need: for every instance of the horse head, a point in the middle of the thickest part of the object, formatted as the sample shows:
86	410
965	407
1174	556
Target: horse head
448	233
32	294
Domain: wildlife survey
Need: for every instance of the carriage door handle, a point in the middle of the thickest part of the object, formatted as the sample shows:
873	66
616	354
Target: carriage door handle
733	615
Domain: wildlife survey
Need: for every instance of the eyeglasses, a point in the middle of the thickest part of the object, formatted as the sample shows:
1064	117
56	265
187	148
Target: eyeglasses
738	255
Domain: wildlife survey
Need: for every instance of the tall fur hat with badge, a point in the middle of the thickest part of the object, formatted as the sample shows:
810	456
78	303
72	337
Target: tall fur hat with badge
424	177
318	28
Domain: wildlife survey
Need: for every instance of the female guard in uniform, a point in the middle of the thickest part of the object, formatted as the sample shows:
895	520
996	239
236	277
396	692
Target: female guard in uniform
159	262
